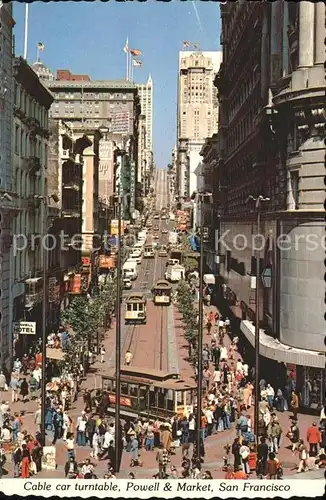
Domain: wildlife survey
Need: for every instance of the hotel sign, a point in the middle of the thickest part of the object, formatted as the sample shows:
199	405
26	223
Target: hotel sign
132	186
25	328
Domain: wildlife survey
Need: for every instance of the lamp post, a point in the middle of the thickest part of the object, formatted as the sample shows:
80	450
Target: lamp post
118	333
201	198
45	200
258	201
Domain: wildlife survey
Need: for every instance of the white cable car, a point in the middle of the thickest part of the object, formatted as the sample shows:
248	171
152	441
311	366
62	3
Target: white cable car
149	252
136	308
162	293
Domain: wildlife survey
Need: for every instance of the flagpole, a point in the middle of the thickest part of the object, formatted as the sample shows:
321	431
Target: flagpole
130	67
127	72
38	54
132	71
26	31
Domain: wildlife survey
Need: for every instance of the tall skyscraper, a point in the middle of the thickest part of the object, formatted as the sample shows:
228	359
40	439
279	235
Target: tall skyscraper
145	93
197	112
145	148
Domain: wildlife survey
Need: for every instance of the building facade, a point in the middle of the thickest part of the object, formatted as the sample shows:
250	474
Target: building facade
92	105
272	113
7	189
35	215
197	112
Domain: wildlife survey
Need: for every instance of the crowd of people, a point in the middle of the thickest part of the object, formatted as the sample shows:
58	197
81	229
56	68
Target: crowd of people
227	404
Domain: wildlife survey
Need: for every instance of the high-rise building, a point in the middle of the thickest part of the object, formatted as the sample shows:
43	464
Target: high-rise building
272	120
145	149
7	196
197	112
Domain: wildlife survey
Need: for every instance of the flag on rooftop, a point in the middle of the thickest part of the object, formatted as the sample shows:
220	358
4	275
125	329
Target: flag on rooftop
126	47
40	46
186	44
137	63
135	52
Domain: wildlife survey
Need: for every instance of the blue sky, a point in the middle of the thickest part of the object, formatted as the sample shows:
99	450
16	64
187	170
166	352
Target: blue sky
88	38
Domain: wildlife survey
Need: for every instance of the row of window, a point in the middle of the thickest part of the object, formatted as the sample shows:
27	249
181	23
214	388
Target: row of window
29	105
244	92
242	128
26	146
103	96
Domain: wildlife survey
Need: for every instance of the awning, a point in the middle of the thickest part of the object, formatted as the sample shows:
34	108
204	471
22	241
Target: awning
30	281
274	349
56	354
209	279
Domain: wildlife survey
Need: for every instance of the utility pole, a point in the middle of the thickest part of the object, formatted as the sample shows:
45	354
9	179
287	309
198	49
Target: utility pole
44	317
258	201
201	198
118	436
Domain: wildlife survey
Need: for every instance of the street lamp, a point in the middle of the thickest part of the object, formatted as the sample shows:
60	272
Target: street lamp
45	200
118	331
258	201
201	197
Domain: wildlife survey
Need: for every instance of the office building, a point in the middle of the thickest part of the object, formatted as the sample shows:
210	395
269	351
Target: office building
197	112
272	117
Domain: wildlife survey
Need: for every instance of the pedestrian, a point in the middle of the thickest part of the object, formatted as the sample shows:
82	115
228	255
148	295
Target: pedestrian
236	453
274	432
128	358
303	456
24	389
16	426
294	434
14	386
271	467
313	439
17	459
279	401
295	403
262	456
38	418
3	382
57	425
270	394
71	468
87	400
70	445
206	378
244	454
162	458
2	460
134	448
103	352
26	460
95	445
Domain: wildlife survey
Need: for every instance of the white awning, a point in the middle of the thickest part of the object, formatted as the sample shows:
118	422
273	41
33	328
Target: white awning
209	279
30	281
274	349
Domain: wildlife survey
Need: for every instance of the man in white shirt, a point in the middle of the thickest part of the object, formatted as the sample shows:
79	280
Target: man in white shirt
81	429
245	368
270	393
209	416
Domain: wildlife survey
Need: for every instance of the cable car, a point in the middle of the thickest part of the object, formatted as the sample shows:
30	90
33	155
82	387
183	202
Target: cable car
162	293
136	308
149	393
149	252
